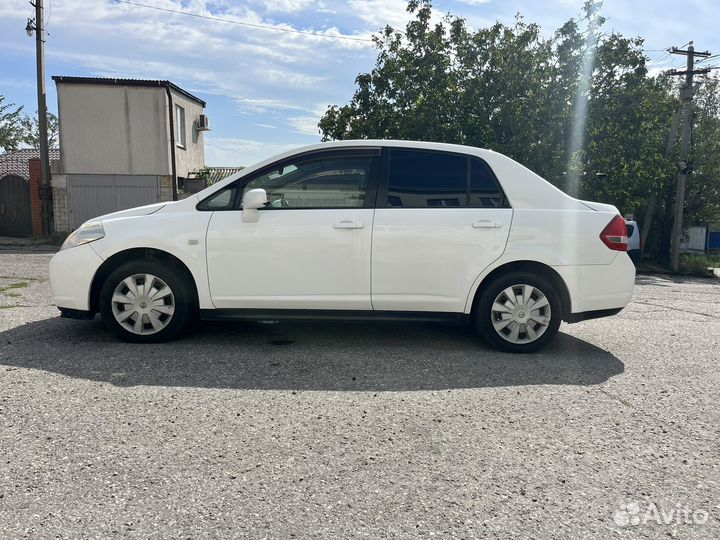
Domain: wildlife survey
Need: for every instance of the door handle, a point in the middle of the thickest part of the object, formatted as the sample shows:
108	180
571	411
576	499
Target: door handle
347	224
486	224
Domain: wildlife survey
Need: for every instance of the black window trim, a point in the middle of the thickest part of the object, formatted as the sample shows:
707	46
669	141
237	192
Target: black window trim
342	152
383	188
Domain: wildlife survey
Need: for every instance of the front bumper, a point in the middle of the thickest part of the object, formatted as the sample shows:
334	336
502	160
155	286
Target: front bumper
71	274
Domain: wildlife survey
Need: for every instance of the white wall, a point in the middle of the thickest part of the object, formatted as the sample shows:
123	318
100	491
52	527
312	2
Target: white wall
106	129
192	157
694	238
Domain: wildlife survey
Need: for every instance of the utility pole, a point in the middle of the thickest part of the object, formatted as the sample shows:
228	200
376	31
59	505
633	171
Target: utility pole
686	94
38	25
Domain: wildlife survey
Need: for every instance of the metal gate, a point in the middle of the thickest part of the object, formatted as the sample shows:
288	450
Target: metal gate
92	195
15	217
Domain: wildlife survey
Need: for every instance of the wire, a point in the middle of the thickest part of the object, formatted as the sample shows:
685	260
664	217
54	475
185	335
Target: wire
47	21
251	25
707	58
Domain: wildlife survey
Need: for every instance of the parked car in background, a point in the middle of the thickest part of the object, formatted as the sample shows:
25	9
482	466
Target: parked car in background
634	242
356	230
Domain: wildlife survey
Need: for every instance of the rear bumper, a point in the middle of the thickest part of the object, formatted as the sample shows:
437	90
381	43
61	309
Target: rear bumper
586	315
71	274
599	287
635	256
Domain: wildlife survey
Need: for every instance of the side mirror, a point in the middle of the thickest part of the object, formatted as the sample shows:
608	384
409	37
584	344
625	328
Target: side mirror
252	200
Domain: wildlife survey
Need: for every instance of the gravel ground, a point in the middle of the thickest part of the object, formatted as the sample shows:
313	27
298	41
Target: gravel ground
349	430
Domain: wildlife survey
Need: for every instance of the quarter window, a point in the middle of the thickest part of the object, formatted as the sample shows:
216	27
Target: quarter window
484	189
426	179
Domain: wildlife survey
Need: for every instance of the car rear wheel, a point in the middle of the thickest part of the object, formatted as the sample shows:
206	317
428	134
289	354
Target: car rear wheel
146	302
518	312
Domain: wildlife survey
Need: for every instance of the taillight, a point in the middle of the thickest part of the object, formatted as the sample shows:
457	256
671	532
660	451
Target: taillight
614	235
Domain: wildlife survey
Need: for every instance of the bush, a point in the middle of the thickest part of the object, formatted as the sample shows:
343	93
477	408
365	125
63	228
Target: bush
698	265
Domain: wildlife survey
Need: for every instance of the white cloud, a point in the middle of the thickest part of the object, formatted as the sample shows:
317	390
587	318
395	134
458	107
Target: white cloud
305	125
263	105
291	79
285	6
380	13
231	152
475	2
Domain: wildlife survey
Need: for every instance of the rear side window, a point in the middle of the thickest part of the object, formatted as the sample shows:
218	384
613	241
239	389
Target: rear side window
426	179
630	229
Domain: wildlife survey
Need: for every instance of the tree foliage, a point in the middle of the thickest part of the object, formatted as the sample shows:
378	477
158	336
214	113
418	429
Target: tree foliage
31	130
11	133
514	90
20	130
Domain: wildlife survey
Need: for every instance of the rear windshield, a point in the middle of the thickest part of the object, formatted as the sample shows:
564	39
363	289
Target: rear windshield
631	229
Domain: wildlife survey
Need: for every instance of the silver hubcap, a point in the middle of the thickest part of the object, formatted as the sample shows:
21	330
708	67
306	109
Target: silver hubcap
143	304
520	314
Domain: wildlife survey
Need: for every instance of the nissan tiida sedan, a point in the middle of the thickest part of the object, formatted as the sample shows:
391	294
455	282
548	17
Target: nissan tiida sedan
365	229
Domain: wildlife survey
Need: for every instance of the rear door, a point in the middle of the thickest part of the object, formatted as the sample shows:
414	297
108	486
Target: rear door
441	219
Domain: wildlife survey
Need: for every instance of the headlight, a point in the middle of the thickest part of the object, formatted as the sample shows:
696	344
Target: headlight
88	232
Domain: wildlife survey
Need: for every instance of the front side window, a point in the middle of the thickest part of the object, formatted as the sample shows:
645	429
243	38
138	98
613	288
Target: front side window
330	182
420	179
179	125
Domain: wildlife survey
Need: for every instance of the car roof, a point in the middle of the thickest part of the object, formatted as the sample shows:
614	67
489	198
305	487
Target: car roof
523	187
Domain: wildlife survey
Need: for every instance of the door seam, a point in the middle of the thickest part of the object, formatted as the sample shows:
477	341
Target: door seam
372	237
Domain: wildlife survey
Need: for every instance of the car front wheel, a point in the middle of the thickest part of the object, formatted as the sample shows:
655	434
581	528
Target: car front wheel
146	302
518	312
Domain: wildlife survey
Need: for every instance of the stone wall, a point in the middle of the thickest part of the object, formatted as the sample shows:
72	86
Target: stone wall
166	188
61	206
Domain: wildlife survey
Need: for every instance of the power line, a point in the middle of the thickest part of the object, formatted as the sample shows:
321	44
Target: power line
708	58
239	23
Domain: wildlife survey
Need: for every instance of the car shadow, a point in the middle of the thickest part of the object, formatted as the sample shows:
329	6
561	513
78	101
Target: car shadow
302	356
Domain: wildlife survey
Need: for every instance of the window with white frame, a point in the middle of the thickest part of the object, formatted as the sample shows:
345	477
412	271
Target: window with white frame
180	126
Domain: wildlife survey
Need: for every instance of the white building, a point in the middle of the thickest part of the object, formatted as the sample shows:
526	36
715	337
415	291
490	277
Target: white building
124	143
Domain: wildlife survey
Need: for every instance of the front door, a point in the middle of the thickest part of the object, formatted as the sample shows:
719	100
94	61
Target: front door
440	221
309	248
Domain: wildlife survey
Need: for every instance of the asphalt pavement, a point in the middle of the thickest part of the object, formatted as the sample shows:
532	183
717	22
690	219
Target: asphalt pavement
356	430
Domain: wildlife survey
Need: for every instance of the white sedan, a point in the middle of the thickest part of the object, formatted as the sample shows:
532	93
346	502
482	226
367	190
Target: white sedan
356	229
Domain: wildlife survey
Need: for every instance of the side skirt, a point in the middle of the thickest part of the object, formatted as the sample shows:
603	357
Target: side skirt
329	315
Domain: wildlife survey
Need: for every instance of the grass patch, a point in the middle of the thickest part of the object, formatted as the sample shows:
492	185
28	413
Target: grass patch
18	285
13	294
698	265
4	306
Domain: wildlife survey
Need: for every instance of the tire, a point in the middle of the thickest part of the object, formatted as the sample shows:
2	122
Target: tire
163	315
539	325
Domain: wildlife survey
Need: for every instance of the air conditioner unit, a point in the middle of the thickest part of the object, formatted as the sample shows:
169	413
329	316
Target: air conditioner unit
203	123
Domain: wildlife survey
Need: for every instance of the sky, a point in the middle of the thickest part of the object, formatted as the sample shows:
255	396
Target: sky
266	89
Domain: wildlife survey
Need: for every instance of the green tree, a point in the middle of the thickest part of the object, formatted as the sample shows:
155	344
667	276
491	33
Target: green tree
10	125
703	195
510	89
31	130
629	117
